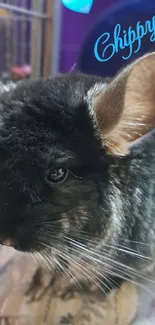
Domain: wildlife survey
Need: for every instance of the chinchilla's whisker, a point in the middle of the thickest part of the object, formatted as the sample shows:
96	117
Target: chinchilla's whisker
126	247
124	269
105	262
52	261
106	259
71	276
52	264
123	289
47	225
124	277
92	240
87	276
131	273
42	238
33	255
129	252
42	260
134	123
85	273
134	241
116	269
57	266
87	249
81	267
66	271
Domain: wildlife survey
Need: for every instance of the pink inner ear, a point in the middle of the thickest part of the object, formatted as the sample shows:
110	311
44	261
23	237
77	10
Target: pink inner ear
109	105
126	109
139	105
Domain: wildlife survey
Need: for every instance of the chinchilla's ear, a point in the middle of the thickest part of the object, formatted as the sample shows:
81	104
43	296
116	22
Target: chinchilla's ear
124	110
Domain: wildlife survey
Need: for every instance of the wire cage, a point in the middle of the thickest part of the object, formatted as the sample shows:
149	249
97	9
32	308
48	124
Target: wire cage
25	37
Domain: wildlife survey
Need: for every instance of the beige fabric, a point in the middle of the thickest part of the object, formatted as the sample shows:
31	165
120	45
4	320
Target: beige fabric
49	300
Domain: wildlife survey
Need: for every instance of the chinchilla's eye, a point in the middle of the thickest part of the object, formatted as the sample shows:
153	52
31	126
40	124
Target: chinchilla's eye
57	175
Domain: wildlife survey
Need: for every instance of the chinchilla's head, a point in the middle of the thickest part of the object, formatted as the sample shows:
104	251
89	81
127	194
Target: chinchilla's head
63	142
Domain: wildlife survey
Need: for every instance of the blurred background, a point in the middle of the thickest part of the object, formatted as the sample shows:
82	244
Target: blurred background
43	37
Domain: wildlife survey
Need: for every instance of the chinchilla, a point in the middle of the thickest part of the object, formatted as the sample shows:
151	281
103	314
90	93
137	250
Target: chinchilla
77	171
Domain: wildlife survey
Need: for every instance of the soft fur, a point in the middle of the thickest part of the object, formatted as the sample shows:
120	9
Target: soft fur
101	218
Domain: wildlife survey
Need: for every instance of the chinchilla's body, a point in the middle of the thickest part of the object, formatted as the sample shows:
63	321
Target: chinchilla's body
77	171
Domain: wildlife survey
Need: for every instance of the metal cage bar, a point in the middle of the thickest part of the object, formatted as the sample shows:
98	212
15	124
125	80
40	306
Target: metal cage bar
47	44
24	11
25	35
55	45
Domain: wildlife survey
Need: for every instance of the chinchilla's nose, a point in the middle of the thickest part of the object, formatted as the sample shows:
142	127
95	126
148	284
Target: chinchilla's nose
6	242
